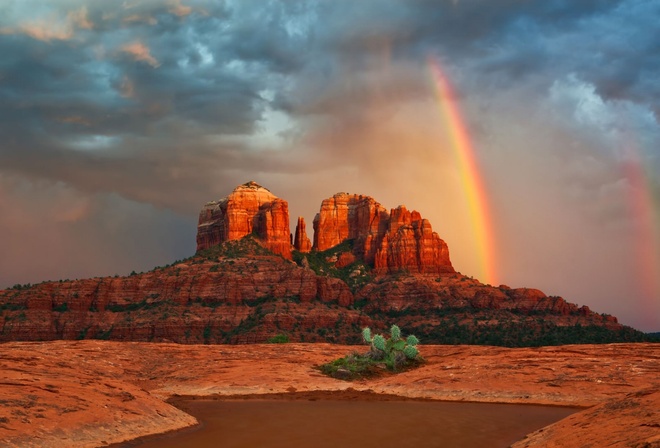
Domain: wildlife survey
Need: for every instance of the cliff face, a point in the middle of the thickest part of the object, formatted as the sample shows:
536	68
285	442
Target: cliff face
397	241
350	217
239	293
410	244
235	293
249	209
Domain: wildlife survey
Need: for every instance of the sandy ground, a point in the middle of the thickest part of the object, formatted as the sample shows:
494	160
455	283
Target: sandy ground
94	393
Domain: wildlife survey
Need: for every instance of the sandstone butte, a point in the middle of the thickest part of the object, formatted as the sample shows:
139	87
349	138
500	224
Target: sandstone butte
367	266
250	208
392	242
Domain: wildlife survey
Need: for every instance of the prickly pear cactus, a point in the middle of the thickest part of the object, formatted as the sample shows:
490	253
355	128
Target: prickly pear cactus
395	332
379	342
410	351
394	351
366	335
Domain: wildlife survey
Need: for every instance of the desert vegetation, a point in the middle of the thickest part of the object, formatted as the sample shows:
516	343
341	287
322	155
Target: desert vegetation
355	274
393	354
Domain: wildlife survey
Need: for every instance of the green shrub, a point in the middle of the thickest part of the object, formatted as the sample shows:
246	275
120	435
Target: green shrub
12	306
103	335
355	275
207	333
61	308
83	333
279	339
394	351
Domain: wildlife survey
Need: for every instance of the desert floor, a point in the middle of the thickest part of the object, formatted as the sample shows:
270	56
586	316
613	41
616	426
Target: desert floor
94	393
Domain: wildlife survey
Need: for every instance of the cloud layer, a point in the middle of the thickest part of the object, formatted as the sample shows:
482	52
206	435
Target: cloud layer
120	119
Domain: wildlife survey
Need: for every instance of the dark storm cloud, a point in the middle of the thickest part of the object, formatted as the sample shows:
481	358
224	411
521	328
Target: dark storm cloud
612	44
205	72
129	103
130	86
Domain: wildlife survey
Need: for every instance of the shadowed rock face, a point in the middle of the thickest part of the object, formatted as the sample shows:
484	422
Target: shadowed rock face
249	209
234	293
239	293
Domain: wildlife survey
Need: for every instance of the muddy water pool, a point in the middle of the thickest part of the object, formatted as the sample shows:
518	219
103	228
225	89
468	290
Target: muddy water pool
326	423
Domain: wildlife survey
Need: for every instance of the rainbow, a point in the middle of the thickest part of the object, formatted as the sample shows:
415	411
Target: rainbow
471	181
647	235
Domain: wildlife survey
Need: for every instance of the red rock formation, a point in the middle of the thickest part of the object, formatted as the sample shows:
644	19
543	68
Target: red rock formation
273	227
350	217
249	209
422	296
410	244
225	298
401	240
178	302
236	292
301	242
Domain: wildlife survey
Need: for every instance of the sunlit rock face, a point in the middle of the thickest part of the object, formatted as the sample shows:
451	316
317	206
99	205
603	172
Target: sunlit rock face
390	242
396	241
301	241
350	217
411	244
380	268
249	209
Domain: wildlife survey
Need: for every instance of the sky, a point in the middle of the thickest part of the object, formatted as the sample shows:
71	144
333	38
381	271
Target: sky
119	120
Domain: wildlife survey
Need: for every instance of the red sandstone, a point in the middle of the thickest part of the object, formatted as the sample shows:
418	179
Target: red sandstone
411	245
350	216
210	299
90	393
301	242
392	242
250	208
